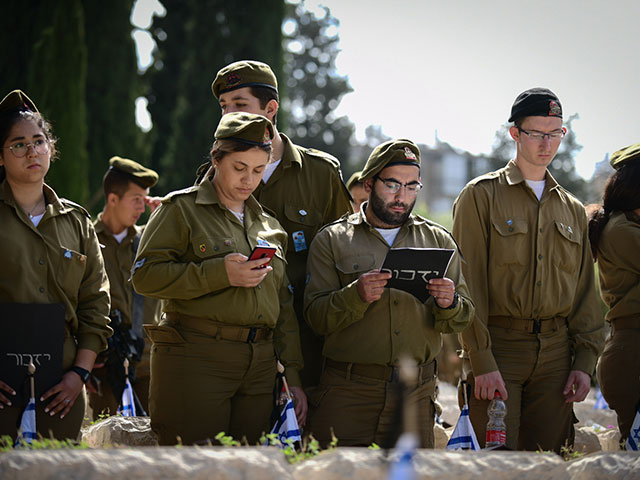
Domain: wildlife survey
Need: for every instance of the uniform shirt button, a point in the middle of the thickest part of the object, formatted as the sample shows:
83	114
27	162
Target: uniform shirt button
41	289
355	266
260	316
539	283
511	229
540	230
259	286
396	331
216	248
395	302
540	257
41	261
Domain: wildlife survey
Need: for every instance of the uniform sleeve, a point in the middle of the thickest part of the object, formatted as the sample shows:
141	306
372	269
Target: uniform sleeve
586	324
328	306
159	270
470	220
286	336
340	201
93	306
455	320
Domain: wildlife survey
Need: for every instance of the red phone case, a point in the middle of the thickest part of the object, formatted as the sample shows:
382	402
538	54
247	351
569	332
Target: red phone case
262	252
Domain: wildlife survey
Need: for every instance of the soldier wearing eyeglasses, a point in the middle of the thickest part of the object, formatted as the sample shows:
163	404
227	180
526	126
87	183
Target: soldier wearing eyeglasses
538	328
369	327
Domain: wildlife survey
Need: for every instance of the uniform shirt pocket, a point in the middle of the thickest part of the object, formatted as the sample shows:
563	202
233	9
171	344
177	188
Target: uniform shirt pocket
510	244
567	247
301	223
352	266
208	247
72	266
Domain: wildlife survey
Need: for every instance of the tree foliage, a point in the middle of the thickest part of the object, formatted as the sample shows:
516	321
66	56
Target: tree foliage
313	86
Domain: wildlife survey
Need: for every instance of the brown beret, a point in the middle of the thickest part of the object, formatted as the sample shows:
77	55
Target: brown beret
625	155
17	101
354	179
397	152
248	128
246	73
142	176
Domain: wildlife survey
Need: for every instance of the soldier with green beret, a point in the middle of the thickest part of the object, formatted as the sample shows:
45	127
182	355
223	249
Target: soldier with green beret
302	187
538	331
126	187
357	191
369	327
614	231
50	255
213	359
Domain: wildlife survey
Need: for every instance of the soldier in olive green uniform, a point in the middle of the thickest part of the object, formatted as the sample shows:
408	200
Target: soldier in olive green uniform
126	187
538	327
213	365
615	238
357	191
367	327
50	254
302	187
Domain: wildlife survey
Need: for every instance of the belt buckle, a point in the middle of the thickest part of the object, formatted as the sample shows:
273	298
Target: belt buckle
536	326
252	334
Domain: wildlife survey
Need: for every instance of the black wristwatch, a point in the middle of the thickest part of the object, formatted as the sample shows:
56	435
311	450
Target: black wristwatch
454	303
84	374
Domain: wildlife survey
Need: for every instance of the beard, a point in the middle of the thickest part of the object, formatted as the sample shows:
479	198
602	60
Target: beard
383	212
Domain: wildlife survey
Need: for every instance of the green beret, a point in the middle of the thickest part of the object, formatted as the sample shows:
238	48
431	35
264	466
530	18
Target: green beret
354	179
625	155
141	176
536	102
397	152
15	101
248	128
247	73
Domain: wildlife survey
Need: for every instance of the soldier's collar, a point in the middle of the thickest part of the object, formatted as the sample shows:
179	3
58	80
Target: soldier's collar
290	153
514	176
100	227
206	195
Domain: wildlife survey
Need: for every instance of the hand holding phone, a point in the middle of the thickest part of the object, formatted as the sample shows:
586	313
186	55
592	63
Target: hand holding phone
263	252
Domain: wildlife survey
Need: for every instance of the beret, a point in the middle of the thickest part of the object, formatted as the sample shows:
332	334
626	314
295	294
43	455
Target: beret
15	101
399	152
142	176
248	128
536	102
625	155
246	73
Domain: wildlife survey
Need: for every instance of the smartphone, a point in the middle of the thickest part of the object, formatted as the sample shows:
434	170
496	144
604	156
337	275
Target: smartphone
263	252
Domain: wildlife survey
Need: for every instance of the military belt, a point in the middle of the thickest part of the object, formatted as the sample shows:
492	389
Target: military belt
426	372
529	325
625	323
220	331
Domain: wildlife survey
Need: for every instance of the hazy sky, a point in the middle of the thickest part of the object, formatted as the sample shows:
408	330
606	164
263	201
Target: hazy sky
455	66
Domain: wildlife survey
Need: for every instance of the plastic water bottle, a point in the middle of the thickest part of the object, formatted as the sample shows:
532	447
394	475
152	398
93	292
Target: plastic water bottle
496	428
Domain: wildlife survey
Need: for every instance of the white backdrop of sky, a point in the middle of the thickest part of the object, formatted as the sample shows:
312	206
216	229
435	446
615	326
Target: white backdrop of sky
454	67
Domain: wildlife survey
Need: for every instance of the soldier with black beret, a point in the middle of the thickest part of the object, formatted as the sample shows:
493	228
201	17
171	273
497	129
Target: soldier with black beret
537	332
213	360
614	231
369	327
50	255
302	187
126	187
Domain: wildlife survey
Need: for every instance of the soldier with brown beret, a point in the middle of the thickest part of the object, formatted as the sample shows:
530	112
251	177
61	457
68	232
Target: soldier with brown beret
614	231
213	360
126	187
302	187
538	329
368	327
50	255
357	191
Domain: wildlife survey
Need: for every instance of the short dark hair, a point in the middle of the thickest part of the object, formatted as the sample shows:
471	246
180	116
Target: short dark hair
264	96
115	181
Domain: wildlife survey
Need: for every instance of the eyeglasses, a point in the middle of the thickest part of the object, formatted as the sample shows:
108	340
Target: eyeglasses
20	149
540	136
393	186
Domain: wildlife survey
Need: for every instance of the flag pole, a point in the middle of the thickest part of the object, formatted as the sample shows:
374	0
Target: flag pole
284	380
126	367
32	371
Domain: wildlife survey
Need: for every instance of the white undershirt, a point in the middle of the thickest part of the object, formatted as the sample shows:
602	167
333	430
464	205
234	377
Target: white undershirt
36	219
120	236
389	234
269	169
537	186
239	216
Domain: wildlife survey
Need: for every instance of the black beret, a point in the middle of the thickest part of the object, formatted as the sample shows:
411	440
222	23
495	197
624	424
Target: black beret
536	102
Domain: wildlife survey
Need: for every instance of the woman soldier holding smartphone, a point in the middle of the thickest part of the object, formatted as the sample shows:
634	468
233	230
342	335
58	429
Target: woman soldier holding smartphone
213	365
50	255
614	231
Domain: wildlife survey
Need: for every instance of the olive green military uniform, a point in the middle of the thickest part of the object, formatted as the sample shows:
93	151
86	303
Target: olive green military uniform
530	271
304	193
58	261
619	271
205	376
364	342
118	260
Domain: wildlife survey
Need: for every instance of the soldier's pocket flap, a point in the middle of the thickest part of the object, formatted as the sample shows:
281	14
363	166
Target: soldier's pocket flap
568	232
205	247
356	263
510	227
303	216
163	334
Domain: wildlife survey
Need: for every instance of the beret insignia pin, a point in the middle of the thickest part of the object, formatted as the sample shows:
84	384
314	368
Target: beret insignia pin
232	79
409	155
554	108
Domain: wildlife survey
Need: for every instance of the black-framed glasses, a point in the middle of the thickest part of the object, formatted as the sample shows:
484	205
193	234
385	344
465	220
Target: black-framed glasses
540	136
20	149
393	186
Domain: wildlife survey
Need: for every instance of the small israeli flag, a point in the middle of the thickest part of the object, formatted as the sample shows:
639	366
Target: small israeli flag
287	425
127	406
27	432
463	437
633	440
601	403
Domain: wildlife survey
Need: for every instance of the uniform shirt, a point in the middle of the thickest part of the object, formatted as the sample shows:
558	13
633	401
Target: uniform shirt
619	265
526	259
396	324
58	261
181	260
304	193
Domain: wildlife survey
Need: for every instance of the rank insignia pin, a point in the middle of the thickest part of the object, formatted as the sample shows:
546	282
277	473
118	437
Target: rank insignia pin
509	222
203	247
227	243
